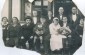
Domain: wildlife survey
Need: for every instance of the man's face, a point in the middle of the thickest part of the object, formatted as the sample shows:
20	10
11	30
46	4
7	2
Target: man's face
42	20
28	21
64	19
74	10
35	13
61	10
49	13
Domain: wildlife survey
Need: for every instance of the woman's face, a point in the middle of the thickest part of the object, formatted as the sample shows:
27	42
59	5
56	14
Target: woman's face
28	21
4	19
81	21
64	19
15	20
55	21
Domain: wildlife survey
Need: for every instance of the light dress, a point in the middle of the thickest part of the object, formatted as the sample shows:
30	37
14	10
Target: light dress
56	39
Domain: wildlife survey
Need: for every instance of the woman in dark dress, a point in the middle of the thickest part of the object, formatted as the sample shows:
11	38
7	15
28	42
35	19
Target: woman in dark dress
5	29
14	32
79	31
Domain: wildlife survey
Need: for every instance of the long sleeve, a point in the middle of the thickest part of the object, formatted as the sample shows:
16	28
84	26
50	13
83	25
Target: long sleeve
52	31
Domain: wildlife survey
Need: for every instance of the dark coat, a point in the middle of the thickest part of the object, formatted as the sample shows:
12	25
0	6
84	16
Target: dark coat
38	19
13	34
5	33
61	21
27	31
79	30
49	21
72	23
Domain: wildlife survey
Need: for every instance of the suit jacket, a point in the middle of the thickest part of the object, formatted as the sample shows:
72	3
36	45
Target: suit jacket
61	21
72	23
38	19
27	31
49	21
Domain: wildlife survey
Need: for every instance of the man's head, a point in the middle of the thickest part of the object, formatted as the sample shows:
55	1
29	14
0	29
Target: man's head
28	20
35	13
64	19
61	10
74	10
49	13
43	19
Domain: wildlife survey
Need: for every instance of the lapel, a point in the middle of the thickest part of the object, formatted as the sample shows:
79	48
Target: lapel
76	18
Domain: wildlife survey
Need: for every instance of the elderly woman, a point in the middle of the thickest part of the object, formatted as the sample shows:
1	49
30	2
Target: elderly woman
56	37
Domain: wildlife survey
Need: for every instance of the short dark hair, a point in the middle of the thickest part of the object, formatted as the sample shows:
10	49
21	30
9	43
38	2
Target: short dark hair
43	17
28	17
3	18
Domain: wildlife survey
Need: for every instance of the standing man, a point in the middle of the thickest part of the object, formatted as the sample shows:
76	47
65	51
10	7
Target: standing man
61	15
74	21
35	17
74	18
50	17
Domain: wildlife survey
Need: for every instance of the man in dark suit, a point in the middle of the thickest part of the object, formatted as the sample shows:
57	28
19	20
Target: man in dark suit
74	19
49	17
35	17
61	15
27	34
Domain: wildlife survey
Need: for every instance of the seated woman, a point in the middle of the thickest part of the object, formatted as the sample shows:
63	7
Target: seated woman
79	31
14	32
4	24
56	36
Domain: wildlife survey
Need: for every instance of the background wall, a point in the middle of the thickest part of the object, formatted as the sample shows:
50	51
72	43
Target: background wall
16	8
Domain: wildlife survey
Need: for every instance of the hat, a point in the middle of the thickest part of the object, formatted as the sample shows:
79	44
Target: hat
55	18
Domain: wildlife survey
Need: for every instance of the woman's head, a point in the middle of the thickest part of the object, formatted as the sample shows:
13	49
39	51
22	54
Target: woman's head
64	19
81	21
15	20
55	20
4	19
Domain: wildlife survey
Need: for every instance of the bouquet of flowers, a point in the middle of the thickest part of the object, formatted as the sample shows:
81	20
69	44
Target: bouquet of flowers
64	31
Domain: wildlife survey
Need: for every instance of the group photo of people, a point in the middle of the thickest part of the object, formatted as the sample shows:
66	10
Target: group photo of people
49	27
46	34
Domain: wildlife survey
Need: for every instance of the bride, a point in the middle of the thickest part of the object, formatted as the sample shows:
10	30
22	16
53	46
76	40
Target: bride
56	37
